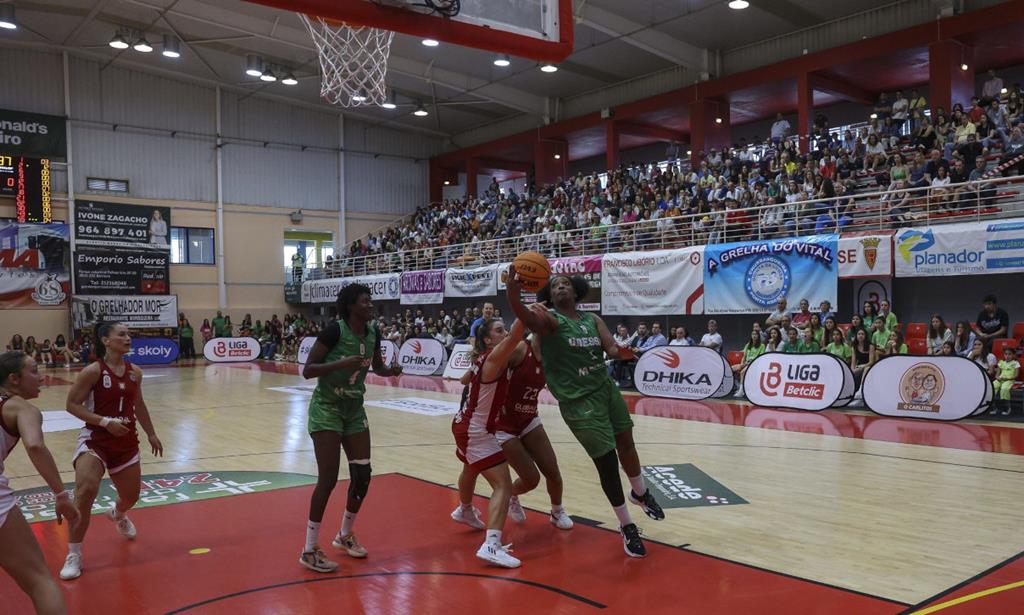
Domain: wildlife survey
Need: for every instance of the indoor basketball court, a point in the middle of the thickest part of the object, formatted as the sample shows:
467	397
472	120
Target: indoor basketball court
838	508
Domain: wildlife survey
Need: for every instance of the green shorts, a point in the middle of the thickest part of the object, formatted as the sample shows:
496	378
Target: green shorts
596	419
346	417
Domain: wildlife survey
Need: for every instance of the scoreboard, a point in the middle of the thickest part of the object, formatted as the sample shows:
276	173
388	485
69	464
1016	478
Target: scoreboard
28	180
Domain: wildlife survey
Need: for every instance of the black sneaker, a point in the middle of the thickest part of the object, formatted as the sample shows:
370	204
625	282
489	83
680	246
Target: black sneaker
631	541
646	502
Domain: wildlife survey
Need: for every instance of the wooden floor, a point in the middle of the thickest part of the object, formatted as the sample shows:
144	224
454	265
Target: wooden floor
897	509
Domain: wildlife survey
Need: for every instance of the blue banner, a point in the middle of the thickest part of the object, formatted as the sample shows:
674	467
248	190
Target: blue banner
153	351
751	277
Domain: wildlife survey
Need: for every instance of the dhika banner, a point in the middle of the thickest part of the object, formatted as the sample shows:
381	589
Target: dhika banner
960	249
34	266
750	277
422	287
133	311
460	361
232	350
479	282
422	357
934	388
660	282
383	287
33	134
682	372
865	255
798	381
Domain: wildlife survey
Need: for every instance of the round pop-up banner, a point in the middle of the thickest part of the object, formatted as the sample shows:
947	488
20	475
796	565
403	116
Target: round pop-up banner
388	352
682	372
798	381
460	360
422	357
934	388
305	347
231	349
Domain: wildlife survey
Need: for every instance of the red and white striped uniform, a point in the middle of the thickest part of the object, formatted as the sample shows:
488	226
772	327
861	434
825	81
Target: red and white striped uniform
517	415
473	426
8	441
114	397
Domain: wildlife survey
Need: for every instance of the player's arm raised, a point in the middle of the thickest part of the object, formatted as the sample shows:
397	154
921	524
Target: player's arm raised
537	320
30	427
499	357
79	392
142	414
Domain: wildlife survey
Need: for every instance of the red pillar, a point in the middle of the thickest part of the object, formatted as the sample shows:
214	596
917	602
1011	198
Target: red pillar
612	153
550	161
805	111
471	172
710	127
948	82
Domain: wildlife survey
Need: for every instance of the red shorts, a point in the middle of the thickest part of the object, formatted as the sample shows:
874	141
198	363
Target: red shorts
114	459
480	451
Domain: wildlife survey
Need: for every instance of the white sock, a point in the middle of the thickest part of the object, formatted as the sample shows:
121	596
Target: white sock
312	536
119	514
622	512
637	484
74	548
493	536
557	508
347	521
464	507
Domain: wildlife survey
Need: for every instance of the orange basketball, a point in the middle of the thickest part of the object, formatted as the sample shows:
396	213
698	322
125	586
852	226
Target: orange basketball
533	270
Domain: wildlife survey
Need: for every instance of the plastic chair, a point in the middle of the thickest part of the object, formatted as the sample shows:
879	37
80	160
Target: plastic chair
1003	342
917	346
916	331
1018	331
735	357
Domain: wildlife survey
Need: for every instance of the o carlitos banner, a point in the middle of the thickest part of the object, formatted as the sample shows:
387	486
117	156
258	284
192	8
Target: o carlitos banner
422	357
231	350
682	372
933	388
798	381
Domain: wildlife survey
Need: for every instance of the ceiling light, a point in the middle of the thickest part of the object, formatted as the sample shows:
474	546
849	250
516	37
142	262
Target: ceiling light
420	112
447	183
689	152
1003	91
549	68
738	5
118	42
873	116
142	45
268	76
359	96
172	47
964	67
254	65
390	102
7	20
429	42
718	120
502	61
558	156
290	79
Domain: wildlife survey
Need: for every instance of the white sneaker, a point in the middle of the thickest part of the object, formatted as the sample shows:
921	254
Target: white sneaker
72	567
124	525
469	516
515	510
561	520
316	561
497	554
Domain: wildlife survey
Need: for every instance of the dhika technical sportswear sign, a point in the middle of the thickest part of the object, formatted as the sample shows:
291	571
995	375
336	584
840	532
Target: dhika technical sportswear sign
121	249
960	249
660	282
863	255
422	357
383	287
750	277
798	381
423	287
460	361
33	134
133	311
682	372
34	266
153	351
934	388
231	350
479	282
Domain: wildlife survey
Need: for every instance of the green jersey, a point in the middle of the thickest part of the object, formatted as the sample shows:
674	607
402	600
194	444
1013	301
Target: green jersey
803	347
573	357
843	351
344	383
751	353
218	326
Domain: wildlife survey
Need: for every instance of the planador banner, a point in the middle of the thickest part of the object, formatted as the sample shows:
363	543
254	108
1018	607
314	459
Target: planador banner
459	361
659	282
479	282
135	311
681	372
422	287
232	350
798	381
960	249
34	266
422	357
934	388
383	287
863	255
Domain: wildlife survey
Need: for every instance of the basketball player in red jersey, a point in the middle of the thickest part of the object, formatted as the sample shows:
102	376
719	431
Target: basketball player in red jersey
20	555
107	395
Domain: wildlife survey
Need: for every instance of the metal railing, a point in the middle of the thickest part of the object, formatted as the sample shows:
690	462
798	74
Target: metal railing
881	210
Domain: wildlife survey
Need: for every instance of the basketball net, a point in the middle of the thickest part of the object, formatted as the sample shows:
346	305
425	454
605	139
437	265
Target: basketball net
353	61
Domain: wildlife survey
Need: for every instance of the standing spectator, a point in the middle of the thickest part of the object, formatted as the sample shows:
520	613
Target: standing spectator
186	343
780	129
993	87
681	337
802	318
1007	371
900	110
206	331
775	318
993	322
218	324
228	327
712	339
938	334
298	264
487	314
963	341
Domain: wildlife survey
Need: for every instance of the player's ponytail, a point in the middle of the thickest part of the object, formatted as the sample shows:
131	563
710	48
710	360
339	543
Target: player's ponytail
482	333
103	330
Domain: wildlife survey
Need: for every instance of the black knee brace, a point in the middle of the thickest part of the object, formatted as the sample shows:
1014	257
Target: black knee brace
359	483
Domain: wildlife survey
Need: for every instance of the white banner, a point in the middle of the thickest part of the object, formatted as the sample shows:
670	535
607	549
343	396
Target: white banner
960	249
934	388
870	289
133	311
231	349
865	255
798	381
383	287
681	372
422	357
660	282
479	282
459	362
388	352
305	346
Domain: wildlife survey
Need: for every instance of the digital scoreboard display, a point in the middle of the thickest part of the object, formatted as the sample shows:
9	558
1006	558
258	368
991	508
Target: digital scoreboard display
28	180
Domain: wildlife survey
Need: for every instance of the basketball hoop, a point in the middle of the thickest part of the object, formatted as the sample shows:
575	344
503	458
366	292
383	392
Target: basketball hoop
353	61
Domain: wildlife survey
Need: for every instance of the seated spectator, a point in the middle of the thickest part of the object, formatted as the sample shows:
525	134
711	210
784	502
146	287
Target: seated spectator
825	310
46	353
17	343
838	347
32	348
61	350
751	350
947	350
620	371
656	339
681	337
774	342
445	337
1007	372
980	355
879	333
775	318
856	324
993	322
863	355
808	344
817	331
893	346
792	343
963	339
802	318
938	334
885	312
712	339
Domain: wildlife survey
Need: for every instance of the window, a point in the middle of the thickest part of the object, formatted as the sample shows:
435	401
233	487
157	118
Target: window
192	246
102	184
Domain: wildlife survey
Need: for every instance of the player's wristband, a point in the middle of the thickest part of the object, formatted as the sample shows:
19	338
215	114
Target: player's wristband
62	494
106	421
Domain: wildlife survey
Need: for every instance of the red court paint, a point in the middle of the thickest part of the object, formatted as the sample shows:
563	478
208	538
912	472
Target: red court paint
420	562
1004	577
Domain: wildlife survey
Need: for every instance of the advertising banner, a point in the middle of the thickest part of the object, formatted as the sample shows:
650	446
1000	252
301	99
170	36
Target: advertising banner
422	357
660	282
383	287
750	277
153	351
135	312
798	381
121	249
865	255
934	388
459	362
305	346
960	249
423	287
686	486
33	134
875	290
232	349
479	282
586	267
388	352
681	372
34	266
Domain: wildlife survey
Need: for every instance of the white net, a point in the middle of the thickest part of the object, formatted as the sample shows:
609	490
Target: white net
353	61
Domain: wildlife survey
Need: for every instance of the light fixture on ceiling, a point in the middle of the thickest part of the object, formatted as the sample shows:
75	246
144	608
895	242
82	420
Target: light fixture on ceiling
390	102
268	75
689	152
254	65
290	79
359	96
964	66
429	42
1003	91
558	156
7	19
172	46
873	116
718	120
142	45
502	61
738	5
420	112
549	68
447	182
119	42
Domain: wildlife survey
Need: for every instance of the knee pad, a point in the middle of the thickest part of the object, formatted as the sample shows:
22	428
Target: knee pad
359	483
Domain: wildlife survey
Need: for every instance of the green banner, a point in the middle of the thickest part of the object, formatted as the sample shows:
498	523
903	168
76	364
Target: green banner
162	489
685	486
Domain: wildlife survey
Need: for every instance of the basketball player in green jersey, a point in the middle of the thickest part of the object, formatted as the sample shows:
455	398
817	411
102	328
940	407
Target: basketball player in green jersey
343	353
573	345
